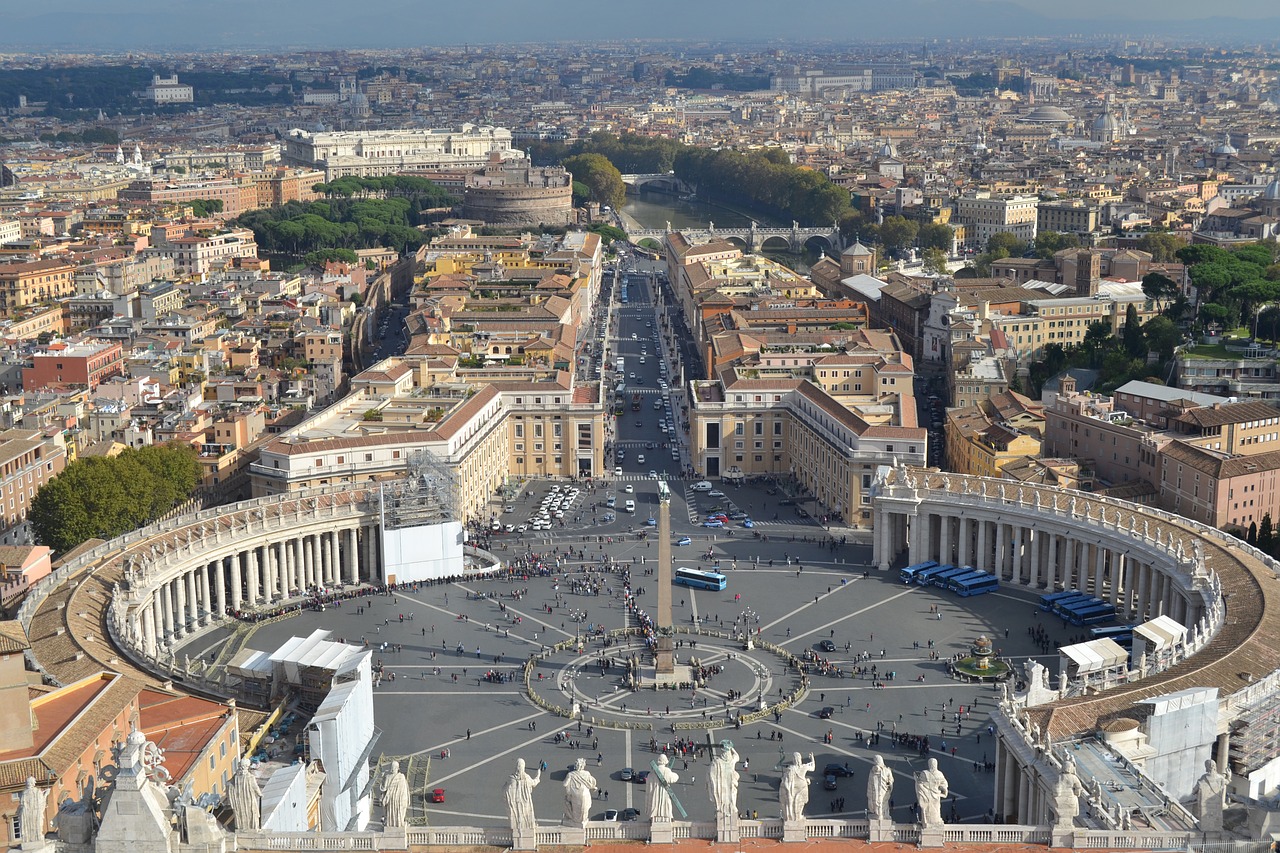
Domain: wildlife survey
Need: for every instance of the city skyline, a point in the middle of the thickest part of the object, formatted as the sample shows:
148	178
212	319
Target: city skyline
389	23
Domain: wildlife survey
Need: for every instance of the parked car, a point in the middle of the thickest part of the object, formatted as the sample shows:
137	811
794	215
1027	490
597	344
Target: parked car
610	814
829	782
826	713
437	795
684	540
836	770
827	646
716	493
631	814
713	524
627	774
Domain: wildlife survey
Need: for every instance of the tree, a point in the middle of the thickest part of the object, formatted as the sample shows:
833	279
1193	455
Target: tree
1266	535
1162	245
320	257
203	207
1212	312
1162	335
934	261
935	235
601	177
1134	343
1003	244
581	193
1049	242
104	498
1159	288
1252	535
897	234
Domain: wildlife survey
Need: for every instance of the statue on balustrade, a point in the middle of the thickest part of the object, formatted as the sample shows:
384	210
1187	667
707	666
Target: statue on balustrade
1211	794
793	794
579	788
1066	795
519	794
931	790
879	790
246	798
660	782
722	783
395	798
31	804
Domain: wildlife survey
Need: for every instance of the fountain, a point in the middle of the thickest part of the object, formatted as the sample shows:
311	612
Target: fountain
981	663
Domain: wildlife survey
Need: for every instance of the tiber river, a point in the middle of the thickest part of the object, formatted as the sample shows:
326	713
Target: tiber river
655	210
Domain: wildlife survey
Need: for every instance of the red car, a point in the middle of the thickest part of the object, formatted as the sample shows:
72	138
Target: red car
437	796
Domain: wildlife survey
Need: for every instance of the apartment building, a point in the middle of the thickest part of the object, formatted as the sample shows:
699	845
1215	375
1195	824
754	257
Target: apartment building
372	153
1073	216
237	194
978	443
33	282
1235	371
86	364
791	427
195	255
985	215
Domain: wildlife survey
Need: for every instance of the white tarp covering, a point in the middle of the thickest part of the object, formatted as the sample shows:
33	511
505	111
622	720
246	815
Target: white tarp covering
1093	656
423	553
1161	633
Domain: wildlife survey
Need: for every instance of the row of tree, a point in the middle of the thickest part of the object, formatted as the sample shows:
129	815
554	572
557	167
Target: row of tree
296	229
102	498
763	180
1232	284
423	192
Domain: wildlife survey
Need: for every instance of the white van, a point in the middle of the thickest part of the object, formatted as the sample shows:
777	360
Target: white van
630	506
640	459
701	486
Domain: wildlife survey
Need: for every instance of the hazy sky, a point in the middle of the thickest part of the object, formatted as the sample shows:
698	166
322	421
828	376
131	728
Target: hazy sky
145	24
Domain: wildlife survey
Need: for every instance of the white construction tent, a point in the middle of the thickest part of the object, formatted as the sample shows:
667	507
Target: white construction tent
1092	658
1159	637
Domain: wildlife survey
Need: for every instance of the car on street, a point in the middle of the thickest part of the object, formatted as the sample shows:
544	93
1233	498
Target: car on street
715	493
610	815
748	523
829	782
701	486
684	540
826	713
651	522
838	770
802	512
653	475
629	489
827	646
639	424
631	814
737	516
627	774
642	777
437	795
713	524
617	471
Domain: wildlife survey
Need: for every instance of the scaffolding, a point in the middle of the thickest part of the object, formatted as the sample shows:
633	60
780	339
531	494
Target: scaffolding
427	495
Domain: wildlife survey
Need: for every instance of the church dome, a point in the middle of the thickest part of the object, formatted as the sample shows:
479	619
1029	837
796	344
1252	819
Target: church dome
1272	191
1048	114
1226	148
1106	122
887	150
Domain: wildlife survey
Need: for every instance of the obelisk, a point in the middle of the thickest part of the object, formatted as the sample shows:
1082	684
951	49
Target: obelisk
665	655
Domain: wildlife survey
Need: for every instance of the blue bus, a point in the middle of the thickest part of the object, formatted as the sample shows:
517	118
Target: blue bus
908	575
1122	634
925	578
1093	614
1048	600
968	573
1063	605
977	585
698	579
943	578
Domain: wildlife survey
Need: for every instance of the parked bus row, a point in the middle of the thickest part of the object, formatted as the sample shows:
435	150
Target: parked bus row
1078	608
962	580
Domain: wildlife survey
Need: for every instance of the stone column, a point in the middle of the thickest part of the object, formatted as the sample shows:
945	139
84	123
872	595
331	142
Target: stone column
251	572
1024	796
1002	546
237	580
158	612
205	599
1016	533
313	558
353	556
1051	571
963	542
299	562
220	586
331	561
147	626
180	606
1033	546
880	541
944	538
1100	569
1069	576
1117	579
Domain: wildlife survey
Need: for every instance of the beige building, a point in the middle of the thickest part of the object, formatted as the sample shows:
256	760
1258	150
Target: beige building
791	427
986	215
372	153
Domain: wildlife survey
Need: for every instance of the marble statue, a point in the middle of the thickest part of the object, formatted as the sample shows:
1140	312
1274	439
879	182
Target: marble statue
660	782
931	790
246	798
1211	793
879	789
519	794
1066	796
722	784
793	794
31	803
395	798
579	787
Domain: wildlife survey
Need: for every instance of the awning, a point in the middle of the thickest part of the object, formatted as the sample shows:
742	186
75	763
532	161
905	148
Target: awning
1094	656
1161	633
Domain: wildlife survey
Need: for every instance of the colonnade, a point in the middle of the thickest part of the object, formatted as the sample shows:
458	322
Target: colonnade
1039	548
253	574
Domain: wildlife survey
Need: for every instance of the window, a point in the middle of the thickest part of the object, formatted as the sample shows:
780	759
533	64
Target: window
739	428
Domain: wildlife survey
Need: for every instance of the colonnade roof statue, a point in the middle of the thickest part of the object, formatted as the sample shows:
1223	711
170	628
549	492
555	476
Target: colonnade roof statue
931	790
395	797
879	790
579	788
793	793
722	783
519	796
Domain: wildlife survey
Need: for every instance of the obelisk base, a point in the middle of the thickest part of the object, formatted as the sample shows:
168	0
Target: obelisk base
664	659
